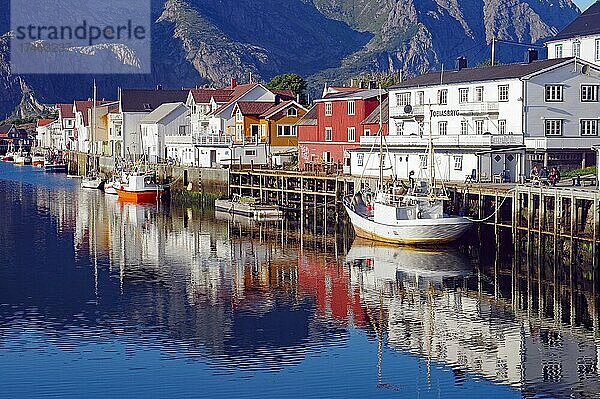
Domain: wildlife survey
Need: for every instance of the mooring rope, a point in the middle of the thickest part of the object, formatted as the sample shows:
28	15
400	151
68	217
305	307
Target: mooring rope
493	214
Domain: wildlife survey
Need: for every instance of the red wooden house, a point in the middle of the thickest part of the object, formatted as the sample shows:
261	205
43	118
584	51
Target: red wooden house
334	125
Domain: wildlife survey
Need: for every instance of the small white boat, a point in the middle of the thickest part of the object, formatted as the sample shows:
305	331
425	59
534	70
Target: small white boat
92	182
22	159
248	207
110	187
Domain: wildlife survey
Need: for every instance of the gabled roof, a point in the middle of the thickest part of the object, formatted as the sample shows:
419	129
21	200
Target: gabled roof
253	107
203	96
309	119
588	23
280	107
5	129
373	118
238	92
284	94
66	111
480	74
44	122
162	112
147	100
361	94
84	106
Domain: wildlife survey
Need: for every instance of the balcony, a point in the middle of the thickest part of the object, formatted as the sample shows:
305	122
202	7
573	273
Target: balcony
483	108
400	111
449	141
214	139
558	142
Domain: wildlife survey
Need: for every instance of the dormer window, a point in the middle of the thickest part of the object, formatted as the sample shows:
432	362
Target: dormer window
239	117
293	112
147	107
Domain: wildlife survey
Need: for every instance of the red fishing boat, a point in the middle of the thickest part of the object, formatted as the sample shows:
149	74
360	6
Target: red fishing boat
140	188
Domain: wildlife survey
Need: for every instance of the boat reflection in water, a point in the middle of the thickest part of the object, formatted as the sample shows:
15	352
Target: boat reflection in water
418	267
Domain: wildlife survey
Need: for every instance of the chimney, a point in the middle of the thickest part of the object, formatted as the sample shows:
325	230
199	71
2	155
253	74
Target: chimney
531	55
233	83
158	87
461	63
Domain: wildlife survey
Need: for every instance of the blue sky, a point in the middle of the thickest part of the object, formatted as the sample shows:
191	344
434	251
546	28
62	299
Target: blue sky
583	4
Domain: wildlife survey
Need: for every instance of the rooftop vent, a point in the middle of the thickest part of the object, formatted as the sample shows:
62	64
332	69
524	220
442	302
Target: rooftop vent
461	63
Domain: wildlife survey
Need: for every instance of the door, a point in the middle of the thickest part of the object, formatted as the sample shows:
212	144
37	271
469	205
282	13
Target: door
213	158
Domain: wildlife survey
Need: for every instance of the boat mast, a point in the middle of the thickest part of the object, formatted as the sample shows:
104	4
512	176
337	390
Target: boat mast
430	155
93	135
380	142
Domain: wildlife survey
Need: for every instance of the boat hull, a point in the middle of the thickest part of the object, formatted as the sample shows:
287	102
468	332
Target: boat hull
94	184
140	197
22	161
254	211
57	168
410	232
110	189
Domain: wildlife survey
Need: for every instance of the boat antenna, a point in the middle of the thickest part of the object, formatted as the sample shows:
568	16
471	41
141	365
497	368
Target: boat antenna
380	141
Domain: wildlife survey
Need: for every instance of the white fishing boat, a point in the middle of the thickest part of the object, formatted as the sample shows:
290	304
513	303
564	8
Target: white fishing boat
141	187
92	181
248	207
22	159
110	187
410	215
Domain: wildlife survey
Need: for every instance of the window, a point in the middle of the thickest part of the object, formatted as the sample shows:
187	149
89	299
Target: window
326	157
360	159
420	98
147	107
576	48
443	128
367	132
502	126
597	50
554	93
479	94
553	127
351	134
463	95
479	126
328	109
351	107
588	127
182	130
558	53
238	116
293	112
250	153
423	161
403	99
399	128
464	127
443	97
286	131
589	93
328	134
458	162
502	92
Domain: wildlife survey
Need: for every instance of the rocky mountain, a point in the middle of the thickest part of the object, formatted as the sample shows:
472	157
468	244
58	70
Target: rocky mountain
197	42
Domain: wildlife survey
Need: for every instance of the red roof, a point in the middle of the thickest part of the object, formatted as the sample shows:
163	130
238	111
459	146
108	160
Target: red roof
284	94
254	107
66	111
203	96
44	122
279	107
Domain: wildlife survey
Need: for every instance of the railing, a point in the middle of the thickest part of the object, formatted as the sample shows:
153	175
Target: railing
399	111
466	140
214	139
479	108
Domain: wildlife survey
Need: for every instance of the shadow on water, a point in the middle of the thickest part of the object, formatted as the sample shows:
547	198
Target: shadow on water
506	314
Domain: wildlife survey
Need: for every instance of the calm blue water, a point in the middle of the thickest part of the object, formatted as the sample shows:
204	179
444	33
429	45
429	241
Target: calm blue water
101	299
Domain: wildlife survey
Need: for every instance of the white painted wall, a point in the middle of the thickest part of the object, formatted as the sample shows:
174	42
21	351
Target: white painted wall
589	48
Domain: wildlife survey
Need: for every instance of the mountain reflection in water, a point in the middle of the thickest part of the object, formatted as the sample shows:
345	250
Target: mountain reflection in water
190	304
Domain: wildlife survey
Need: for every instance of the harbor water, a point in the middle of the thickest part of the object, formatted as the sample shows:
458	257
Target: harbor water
100	298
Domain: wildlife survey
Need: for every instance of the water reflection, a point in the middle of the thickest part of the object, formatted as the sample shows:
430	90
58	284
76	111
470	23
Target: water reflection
78	267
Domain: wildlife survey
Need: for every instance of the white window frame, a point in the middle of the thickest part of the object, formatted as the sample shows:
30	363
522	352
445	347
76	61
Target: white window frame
558	51
367	132
239	117
292	112
588	127
423	161
443	97
576	48
351	134
326	157
553	127
554	93
328	134
360	159
589	93
399	128
420	100
464	127
328	109
458	162
501	126
443	128
479	90
291	132
351	108
479	126
403	99
503	93
463	95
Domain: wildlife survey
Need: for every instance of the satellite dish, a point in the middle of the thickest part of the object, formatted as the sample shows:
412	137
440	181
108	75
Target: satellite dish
585	69
407	109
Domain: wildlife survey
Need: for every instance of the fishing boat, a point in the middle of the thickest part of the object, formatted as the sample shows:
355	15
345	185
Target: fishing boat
55	166
92	181
248	207
110	187
409	215
22	159
9	157
140	188
38	160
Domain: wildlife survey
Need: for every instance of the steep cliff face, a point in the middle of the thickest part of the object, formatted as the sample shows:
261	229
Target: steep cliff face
198	42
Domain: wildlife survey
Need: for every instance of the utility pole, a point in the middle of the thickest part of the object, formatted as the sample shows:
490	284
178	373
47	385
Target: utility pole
493	50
